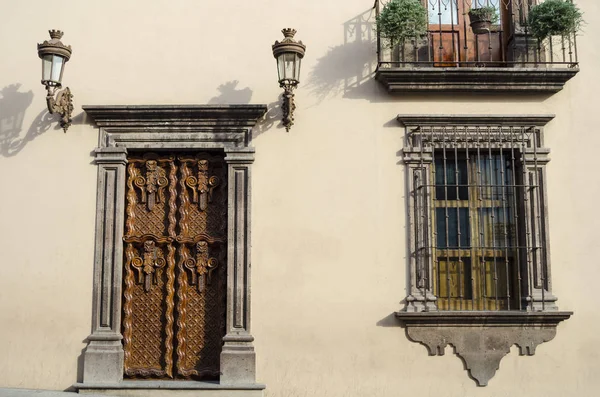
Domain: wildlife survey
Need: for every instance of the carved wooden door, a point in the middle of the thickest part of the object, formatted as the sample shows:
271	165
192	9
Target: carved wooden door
174	297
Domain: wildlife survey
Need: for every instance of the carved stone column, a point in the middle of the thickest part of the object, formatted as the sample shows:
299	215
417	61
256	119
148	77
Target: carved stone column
536	213
238	362
104	353
418	164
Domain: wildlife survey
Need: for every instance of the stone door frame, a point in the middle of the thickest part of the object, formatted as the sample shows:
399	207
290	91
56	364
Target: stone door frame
224	128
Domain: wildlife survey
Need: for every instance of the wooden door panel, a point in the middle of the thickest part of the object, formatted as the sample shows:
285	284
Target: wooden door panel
174	297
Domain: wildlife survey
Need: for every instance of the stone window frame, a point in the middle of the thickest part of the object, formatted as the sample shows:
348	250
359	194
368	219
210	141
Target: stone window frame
480	338
224	128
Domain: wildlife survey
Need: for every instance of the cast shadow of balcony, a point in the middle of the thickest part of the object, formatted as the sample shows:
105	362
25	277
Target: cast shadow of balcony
347	69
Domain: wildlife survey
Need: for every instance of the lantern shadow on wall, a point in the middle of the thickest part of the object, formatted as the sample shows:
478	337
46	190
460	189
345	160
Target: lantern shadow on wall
13	106
230	94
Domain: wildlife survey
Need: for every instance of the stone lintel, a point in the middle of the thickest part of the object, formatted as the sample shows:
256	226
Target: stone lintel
173	117
475	79
481	338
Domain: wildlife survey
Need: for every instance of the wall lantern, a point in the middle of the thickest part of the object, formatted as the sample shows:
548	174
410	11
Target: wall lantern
54	55
289	54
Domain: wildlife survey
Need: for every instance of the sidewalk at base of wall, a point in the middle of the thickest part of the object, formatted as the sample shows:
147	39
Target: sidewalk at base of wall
8	392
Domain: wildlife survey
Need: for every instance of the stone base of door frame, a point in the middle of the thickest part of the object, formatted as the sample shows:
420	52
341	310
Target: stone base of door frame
150	388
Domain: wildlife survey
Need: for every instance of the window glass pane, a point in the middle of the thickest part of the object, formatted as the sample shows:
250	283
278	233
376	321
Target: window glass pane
443	12
459	272
456	177
450	223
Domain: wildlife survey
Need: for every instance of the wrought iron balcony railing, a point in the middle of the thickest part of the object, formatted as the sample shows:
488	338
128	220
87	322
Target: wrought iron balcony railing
450	56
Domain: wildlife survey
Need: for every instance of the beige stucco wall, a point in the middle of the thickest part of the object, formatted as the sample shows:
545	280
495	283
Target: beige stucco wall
328	197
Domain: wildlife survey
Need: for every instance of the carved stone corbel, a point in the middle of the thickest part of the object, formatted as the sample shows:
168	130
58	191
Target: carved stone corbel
288	106
63	105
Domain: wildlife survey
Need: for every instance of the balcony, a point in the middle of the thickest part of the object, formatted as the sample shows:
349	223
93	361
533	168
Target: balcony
451	57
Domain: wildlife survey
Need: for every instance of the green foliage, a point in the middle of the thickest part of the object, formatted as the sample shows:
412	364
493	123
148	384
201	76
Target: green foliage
554	17
402	19
487	13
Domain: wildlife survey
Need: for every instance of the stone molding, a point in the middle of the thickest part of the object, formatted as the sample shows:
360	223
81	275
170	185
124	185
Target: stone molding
224	128
472	79
480	338
415	120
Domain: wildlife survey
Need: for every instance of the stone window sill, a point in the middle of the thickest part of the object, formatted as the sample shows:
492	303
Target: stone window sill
481	338
474	79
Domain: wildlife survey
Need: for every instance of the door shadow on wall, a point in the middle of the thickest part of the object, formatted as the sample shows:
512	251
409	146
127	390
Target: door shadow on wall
80	362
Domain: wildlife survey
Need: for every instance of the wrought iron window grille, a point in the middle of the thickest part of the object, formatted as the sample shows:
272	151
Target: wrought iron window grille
450	56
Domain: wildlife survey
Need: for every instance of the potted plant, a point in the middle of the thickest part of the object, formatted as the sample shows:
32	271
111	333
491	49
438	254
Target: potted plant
482	19
554	17
402	19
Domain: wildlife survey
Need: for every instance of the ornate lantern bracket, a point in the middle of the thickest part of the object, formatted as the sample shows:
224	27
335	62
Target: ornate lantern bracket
54	55
289	54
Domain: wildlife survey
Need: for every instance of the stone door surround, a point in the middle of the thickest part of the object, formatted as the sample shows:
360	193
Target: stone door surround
220	128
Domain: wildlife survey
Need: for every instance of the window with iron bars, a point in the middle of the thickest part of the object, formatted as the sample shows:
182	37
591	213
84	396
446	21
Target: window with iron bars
450	41
477	211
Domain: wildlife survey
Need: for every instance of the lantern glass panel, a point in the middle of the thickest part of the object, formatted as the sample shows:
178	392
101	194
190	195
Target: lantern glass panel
280	68
57	67
46	67
288	66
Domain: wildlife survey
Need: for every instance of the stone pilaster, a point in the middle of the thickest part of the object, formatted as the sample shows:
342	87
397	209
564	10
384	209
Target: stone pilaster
418	165
536	225
103	357
238	363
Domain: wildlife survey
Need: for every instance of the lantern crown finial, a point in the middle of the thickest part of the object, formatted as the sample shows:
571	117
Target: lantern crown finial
56	34
288	32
